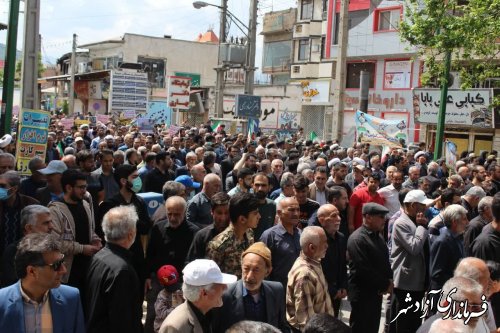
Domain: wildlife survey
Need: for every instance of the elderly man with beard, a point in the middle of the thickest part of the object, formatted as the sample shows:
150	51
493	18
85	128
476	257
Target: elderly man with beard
334	263
252	297
267	207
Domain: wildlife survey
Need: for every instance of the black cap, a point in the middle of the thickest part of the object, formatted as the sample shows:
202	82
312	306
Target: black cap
372	208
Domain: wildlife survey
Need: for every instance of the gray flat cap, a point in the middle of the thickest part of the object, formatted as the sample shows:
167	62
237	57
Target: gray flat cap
372	208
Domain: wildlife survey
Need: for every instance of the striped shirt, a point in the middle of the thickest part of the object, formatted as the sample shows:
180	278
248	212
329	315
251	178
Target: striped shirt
306	292
37	316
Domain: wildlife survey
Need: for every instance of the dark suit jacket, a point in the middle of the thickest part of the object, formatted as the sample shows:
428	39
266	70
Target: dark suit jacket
233	311
445	255
65	306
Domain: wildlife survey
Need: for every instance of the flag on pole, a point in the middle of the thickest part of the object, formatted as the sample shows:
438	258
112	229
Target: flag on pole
313	137
216	125
253	128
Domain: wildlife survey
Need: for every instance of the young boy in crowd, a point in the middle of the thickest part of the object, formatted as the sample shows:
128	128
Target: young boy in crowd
171	295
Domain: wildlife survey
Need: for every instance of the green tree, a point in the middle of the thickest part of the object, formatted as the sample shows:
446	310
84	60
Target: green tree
469	29
19	65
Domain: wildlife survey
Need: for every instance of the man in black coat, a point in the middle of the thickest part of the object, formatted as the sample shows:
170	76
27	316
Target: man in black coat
252	297
113	301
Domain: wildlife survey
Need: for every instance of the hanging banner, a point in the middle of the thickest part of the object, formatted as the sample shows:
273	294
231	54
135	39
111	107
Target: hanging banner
32	138
268	113
178	92
128	91
380	132
450	153
463	107
288	120
145	125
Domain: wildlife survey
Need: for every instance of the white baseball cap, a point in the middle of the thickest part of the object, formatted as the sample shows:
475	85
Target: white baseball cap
417	196
201	272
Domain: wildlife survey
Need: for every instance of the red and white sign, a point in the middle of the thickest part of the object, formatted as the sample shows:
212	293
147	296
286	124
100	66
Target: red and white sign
178	92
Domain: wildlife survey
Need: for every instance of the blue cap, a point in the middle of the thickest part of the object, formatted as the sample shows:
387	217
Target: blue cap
187	181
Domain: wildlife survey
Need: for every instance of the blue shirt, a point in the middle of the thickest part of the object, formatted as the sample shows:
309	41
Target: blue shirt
285	248
254	310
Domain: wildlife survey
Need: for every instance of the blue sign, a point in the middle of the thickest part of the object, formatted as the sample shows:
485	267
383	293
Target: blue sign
247	106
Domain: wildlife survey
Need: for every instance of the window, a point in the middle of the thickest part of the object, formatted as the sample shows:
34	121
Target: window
355	18
306	10
397	74
354	73
387	19
155	69
276	55
303	49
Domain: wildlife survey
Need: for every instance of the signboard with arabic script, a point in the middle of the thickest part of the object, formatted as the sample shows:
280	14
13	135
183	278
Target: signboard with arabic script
268	116
178	92
32	138
463	107
129	91
247	106
380	132
315	91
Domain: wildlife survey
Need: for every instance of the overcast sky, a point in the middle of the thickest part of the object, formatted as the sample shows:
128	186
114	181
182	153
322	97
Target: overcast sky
97	20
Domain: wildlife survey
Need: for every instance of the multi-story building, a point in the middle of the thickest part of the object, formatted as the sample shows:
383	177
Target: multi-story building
374	46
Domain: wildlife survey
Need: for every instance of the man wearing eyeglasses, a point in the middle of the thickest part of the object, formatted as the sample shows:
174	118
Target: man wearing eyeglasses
38	302
73	220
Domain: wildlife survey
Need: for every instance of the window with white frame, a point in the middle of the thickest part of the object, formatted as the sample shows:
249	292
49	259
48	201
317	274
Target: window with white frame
303	49
387	19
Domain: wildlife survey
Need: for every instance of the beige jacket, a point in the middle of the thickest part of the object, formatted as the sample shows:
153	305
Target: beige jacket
64	226
181	320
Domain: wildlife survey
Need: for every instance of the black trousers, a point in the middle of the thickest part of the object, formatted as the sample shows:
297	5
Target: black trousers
407	322
365	314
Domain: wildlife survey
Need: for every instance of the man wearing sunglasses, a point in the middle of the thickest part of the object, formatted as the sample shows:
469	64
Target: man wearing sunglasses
38	302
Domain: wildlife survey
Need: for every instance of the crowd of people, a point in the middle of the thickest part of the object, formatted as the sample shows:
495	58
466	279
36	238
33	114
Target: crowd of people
255	235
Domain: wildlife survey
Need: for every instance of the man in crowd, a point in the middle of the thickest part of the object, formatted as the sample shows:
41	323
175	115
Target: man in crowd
74	223
317	189
475	226
34	219
390	193
471	199
413	176
38	302
267	207
283	240
334	263
198	208
202	289
11	204
220	215
113	300
307	290
276	172
370	274
30	185
409	260
252	297
359	199
244	182
487	245
226	248
154	180
339	172
7	162
307	206
104	174
169	243
448	248
54	190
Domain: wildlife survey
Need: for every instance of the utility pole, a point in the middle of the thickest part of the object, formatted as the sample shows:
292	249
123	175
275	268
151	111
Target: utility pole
252	36
72	80
438	146
29	73
340	77
219	89
10	68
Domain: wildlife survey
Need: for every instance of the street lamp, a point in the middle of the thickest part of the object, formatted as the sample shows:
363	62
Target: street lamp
201	4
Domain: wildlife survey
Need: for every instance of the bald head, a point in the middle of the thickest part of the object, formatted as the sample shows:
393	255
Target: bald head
176	210
326	210
474	269
284	203
211	184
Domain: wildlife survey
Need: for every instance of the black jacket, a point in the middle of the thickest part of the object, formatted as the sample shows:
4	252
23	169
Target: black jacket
113	301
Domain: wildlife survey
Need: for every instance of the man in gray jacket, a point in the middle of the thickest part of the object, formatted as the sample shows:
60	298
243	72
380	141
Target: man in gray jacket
409	262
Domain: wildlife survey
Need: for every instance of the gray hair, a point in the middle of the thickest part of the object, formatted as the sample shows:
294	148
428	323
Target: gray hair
302	166
450	326
310	235
118	222
119	153
249	326
176	200
476	191
433	166
34	163
172	188
413	168
305	172
286	179
457	178
12	177
31	249
467	269
465	287
9	157
192	293
484	204
191	154
29	213
69	151
453	213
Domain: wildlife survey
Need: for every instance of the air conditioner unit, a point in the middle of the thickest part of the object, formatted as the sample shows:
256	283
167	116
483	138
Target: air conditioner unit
454	81
298	28
296	69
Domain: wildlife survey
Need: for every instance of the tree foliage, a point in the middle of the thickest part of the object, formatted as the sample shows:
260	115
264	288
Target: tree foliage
470	30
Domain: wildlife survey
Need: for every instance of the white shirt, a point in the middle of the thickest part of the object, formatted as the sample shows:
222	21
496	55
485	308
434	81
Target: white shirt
391	199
